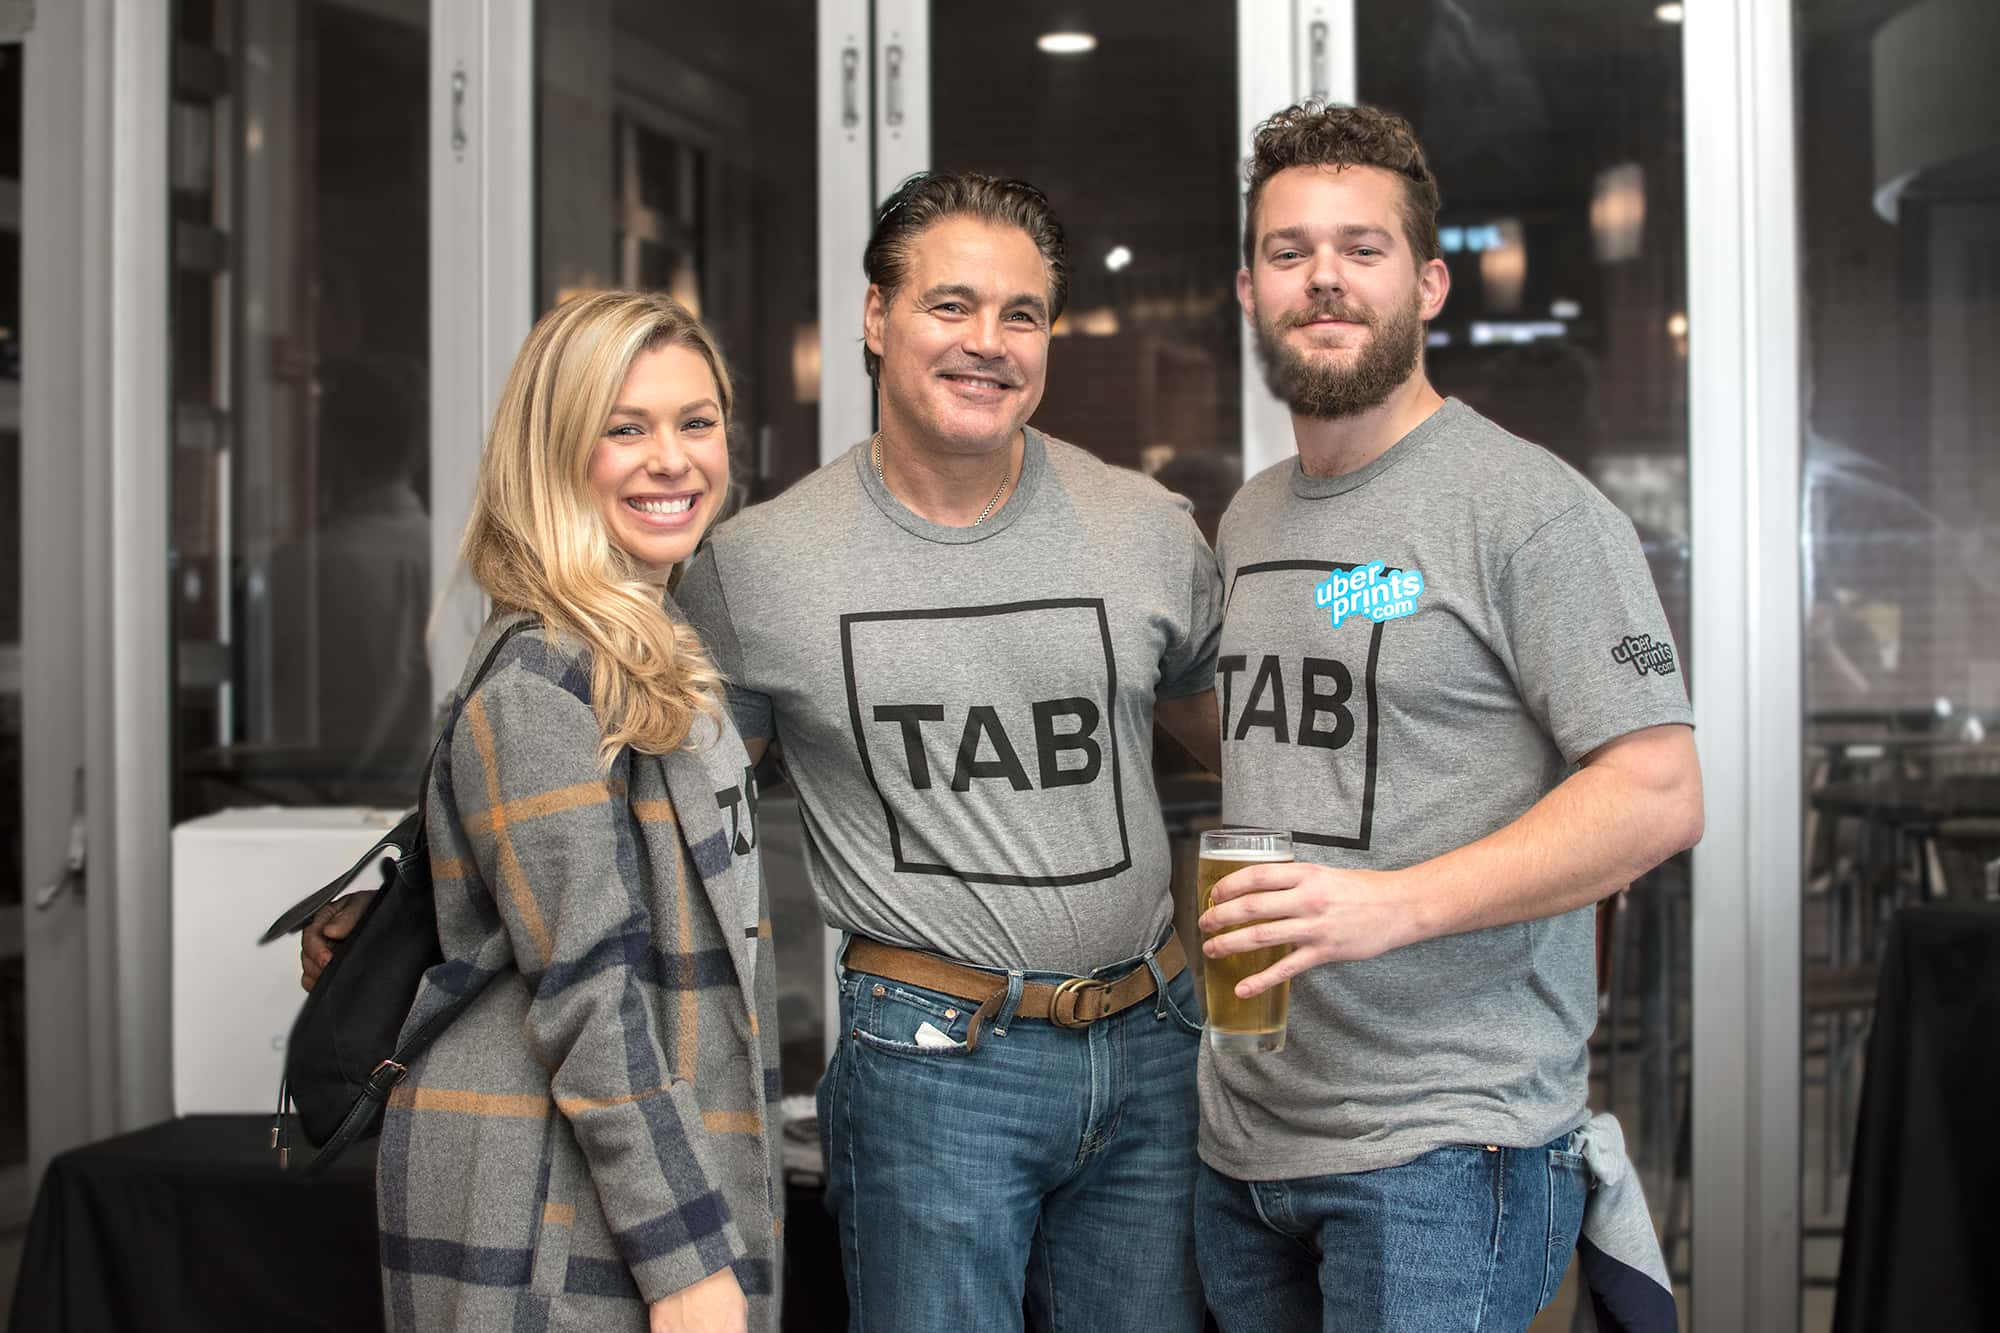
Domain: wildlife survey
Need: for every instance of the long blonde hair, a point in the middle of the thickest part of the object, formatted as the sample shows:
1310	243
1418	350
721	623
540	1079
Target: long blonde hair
537	541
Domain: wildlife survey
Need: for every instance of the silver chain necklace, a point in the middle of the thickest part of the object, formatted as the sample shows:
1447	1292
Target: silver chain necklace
875	451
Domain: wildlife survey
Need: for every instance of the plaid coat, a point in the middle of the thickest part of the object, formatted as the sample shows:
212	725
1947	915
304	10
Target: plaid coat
599	1129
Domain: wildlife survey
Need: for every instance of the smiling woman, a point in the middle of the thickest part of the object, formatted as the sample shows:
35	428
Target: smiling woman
572	782
661	469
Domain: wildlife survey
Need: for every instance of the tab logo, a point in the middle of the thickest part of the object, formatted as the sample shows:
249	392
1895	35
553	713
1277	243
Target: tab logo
990	735
1639	652
1373	590
1306	718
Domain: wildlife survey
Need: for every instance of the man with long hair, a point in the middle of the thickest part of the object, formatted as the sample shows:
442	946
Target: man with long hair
1446	672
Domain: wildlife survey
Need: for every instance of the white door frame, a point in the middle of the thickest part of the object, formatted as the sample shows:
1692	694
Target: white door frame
97	682
1745	596
482	275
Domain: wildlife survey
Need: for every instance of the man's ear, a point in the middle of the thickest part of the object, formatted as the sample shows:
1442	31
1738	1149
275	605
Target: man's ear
874	314
1433	285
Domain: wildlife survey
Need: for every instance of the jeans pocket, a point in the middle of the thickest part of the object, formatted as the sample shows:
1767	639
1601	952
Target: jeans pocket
1569	1188
1180	1002
900	1019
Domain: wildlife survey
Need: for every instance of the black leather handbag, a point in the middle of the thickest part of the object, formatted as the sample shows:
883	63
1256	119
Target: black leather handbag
343	1058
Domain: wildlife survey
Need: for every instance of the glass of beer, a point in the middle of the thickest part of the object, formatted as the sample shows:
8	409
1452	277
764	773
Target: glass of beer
1242	1025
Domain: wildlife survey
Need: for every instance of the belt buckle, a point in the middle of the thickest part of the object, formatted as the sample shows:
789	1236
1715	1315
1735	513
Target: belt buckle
1072	989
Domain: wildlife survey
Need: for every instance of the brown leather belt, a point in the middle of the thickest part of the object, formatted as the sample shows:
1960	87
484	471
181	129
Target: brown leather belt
1076	1002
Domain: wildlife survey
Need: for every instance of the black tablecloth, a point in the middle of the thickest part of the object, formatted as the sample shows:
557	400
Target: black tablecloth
190	1227
1923	1231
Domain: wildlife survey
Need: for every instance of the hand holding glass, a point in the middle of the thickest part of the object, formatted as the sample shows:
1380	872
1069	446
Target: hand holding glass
1256	1024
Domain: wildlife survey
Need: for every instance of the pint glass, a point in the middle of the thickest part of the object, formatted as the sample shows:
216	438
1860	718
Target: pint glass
1242	1025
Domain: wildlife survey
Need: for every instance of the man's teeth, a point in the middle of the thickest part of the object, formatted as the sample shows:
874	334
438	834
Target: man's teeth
680	506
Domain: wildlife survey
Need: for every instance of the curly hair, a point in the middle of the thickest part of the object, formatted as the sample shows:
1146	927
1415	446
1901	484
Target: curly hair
933	196
1313	134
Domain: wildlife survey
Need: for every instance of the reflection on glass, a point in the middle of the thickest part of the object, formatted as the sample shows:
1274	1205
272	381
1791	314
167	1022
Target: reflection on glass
1133	138
301	562
1899	207
676	151
1556	135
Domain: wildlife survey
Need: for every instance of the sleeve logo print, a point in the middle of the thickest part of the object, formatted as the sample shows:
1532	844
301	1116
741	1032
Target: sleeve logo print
1639	652
1372	589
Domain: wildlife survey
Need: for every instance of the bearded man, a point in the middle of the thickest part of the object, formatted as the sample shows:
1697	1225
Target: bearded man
1445	672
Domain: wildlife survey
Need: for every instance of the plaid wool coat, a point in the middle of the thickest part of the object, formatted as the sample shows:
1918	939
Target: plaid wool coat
599	1129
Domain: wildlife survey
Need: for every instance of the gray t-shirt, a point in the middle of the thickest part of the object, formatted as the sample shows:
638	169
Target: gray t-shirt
967	712
1412	656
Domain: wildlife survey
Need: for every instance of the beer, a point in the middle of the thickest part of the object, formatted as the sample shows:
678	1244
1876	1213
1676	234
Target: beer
1256	1024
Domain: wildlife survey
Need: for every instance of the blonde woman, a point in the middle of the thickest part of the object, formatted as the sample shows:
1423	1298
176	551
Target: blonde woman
592	1144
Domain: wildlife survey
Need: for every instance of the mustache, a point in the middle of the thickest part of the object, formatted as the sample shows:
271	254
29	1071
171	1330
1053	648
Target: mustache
998	371
1353	314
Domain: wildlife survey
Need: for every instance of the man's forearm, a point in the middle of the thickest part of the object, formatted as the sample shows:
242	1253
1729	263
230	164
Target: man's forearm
1607	824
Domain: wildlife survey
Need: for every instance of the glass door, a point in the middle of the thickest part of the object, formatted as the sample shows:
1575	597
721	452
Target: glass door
1125	116
301	577
1556	133
1898	176
675	149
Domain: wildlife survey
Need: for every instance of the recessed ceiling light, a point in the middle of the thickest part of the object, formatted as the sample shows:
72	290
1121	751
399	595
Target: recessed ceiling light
1066	43
1670	13
1117	258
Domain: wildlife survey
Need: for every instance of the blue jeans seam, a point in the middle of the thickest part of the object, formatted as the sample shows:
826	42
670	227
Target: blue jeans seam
840	1092
1039	1245
1499	1159
1549	1231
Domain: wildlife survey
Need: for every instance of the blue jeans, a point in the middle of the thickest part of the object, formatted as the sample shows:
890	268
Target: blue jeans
1047	1167
1463	1238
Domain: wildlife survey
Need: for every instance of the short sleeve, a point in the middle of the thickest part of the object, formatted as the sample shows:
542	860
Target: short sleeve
1188	666
701	599
1589	645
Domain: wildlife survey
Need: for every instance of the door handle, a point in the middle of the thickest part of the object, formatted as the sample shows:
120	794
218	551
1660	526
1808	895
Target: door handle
70	875
893	59
850	87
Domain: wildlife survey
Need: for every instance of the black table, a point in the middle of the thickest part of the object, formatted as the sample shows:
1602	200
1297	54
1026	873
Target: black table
1922	1232
190	1227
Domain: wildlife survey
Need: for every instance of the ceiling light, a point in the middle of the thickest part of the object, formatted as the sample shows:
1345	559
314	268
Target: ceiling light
1565	309
1670	13
1117	258
1066	43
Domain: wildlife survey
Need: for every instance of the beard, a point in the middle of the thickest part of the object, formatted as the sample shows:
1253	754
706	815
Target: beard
1313	387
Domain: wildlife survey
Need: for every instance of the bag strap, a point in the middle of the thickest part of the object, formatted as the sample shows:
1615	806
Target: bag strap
361	1116
408	836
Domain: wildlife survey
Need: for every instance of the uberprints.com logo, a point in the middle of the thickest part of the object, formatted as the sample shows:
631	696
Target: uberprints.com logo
1639	652
1373	589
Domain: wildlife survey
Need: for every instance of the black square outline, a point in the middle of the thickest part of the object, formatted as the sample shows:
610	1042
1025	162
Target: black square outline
1360	842
849	620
